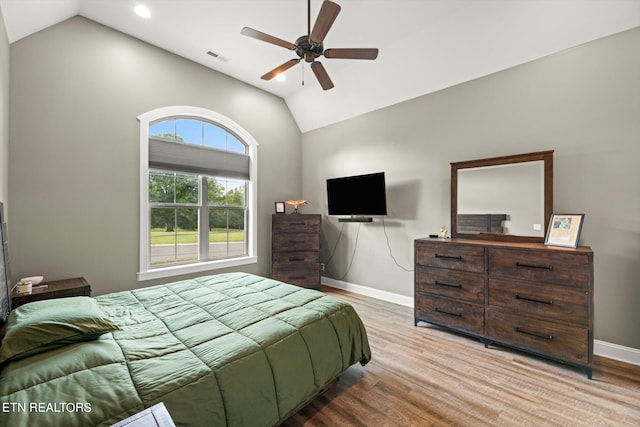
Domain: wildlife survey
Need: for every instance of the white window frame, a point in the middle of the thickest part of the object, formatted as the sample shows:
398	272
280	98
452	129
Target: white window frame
145	119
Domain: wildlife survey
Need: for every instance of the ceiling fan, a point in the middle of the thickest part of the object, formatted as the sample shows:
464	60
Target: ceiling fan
310	47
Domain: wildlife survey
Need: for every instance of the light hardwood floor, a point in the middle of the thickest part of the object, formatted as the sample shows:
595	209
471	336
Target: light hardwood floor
425	376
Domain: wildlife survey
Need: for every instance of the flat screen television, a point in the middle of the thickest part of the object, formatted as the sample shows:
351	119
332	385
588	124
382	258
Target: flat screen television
357	195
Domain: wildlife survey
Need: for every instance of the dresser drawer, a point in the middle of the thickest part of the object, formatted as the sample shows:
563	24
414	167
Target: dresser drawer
563	303
296	259
449	255
450	313
453	284
295	242
548	266
305	277
295	224
568	343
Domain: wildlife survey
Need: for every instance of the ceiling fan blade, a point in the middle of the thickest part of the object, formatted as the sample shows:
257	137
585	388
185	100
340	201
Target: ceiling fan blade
328	14
321	75
351	53
282	68
246	31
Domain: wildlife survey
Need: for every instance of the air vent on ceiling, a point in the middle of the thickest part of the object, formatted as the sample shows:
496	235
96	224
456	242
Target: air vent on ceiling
217	56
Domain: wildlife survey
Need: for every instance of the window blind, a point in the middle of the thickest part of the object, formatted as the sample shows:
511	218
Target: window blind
189	158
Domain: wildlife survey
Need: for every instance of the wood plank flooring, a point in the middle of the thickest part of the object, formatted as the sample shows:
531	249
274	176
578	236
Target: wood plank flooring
425	376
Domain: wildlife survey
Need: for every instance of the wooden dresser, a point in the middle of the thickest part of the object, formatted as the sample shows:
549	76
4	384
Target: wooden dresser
527	296
295	249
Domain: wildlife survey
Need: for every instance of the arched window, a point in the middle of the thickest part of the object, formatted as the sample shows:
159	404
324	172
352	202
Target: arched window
198	175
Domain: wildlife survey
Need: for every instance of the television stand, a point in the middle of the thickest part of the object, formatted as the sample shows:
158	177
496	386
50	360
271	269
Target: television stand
356	219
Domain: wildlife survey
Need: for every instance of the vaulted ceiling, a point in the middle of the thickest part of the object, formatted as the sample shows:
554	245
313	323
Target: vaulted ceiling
425	45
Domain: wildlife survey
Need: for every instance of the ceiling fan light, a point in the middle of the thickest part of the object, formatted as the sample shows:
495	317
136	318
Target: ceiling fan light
280	77
142	11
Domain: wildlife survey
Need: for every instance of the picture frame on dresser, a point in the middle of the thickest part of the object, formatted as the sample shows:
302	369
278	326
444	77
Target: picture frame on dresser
564	230
280	208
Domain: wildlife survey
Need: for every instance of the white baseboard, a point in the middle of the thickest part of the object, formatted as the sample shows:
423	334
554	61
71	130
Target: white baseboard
600	348
616	352
370	292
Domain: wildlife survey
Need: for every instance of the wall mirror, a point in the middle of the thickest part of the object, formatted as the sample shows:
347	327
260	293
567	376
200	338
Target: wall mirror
507	198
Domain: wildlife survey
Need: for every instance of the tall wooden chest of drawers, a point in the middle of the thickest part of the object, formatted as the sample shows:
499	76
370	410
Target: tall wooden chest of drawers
527	296
295	249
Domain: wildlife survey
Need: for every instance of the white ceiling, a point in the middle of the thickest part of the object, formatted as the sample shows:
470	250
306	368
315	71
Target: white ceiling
425	45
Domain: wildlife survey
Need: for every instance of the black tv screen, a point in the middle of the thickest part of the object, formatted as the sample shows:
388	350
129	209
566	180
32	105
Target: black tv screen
357	195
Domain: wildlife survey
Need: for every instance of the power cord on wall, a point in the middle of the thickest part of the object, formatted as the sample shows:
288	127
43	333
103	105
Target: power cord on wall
335	246
333	251
352	254
384	228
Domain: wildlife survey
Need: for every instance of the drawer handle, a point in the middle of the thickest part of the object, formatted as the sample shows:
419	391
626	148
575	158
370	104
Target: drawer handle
459	258
539	267
296	259
450	285
293	242
296	277
448	312
550	302
534	334
296	223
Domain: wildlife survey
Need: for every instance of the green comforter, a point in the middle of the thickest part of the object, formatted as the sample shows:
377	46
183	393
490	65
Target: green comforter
230	349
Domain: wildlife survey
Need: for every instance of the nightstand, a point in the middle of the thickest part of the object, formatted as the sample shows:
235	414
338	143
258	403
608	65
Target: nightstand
78	286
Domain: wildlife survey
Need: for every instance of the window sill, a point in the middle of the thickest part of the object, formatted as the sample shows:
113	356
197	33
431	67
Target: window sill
177	270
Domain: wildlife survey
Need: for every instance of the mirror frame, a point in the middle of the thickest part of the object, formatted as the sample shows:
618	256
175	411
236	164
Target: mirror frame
545	156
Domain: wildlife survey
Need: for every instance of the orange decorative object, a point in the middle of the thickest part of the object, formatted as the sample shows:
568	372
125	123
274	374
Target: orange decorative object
296	204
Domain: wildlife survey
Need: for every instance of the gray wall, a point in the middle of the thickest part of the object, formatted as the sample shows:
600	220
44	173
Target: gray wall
584	103
76	90
4	115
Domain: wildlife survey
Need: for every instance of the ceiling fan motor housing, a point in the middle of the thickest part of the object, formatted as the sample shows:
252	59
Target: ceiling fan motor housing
307	49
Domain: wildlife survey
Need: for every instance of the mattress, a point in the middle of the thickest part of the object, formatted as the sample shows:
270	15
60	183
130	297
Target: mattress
224	350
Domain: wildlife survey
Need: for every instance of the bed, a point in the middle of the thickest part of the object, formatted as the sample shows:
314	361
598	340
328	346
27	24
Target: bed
229	349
